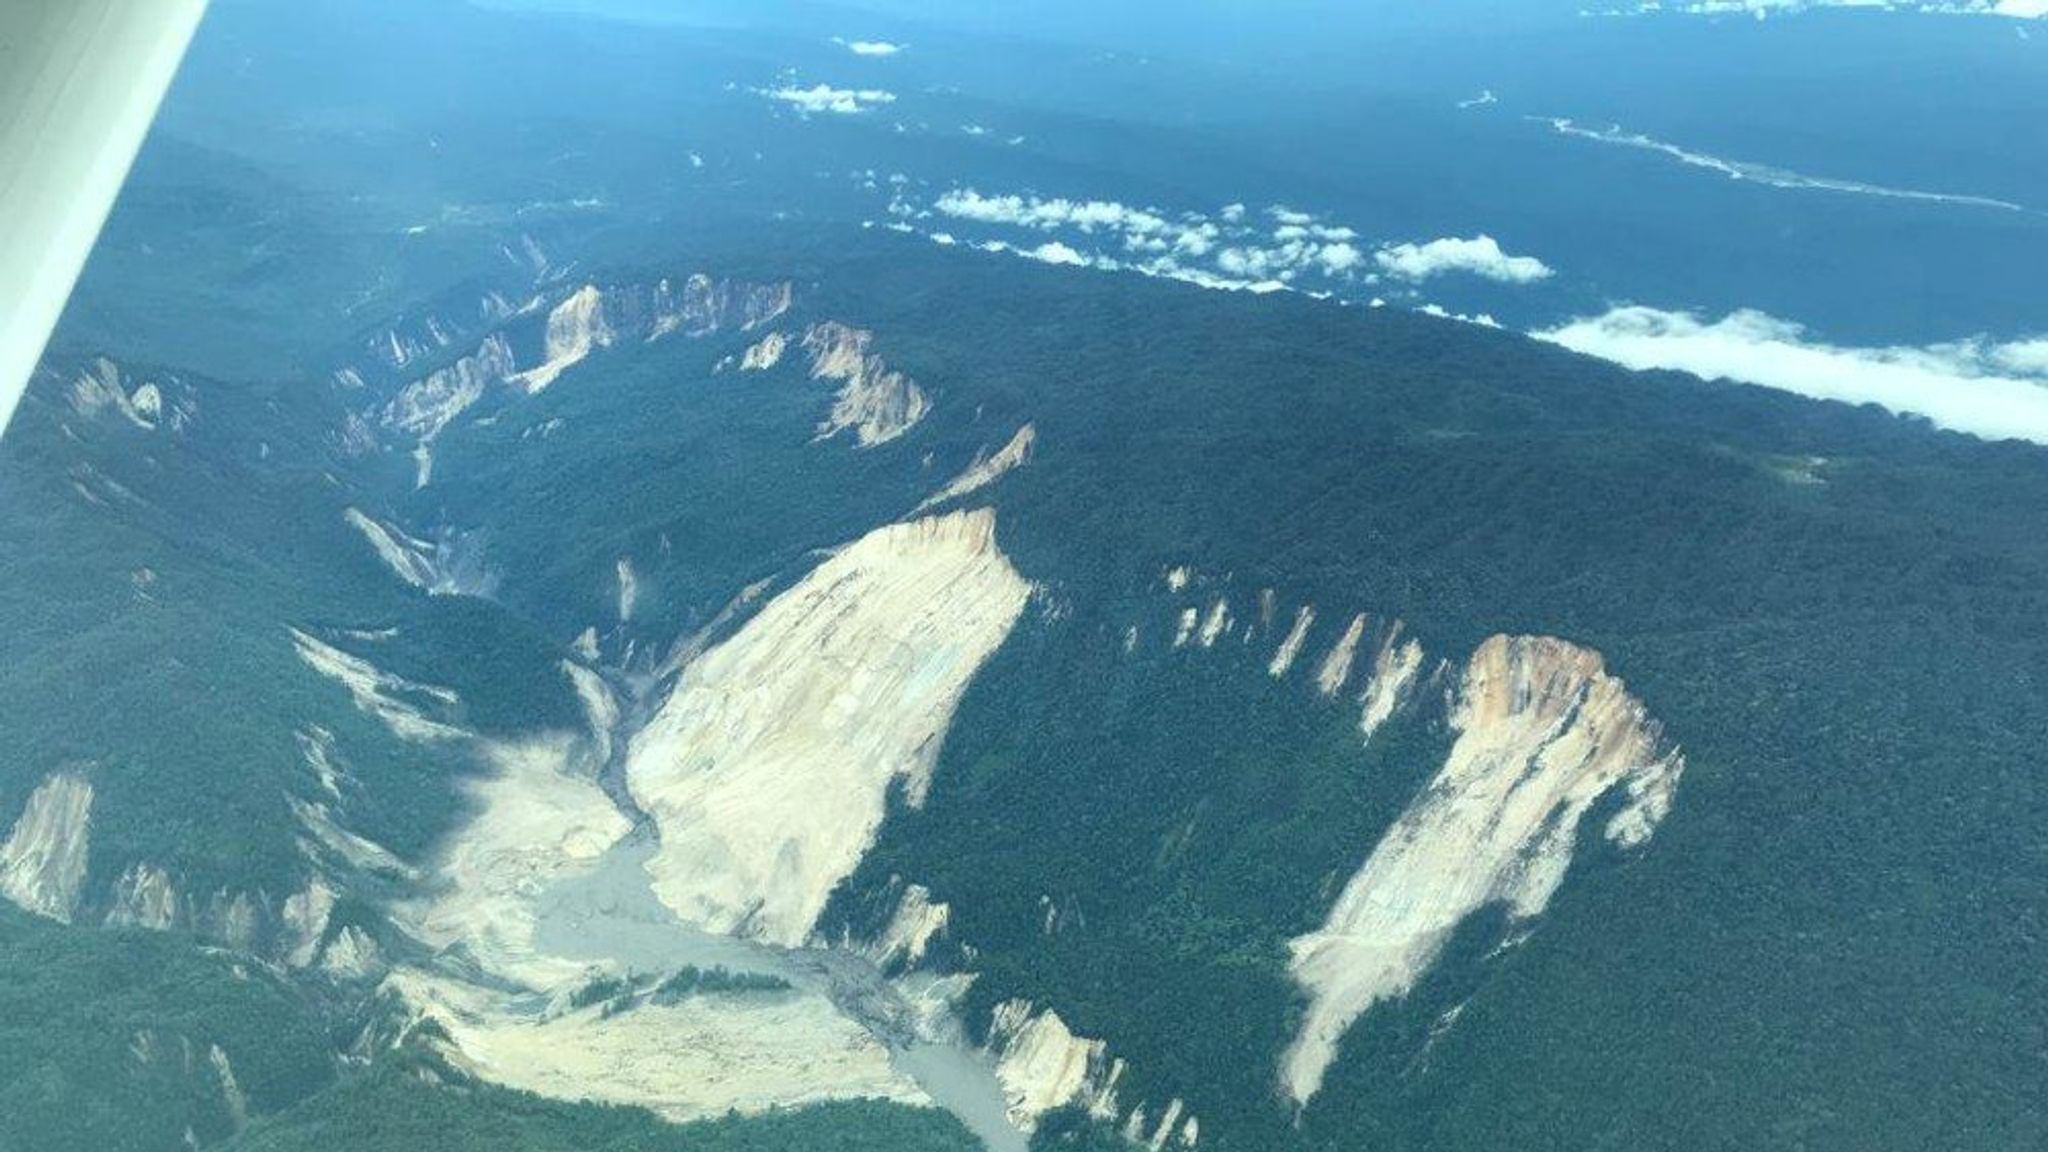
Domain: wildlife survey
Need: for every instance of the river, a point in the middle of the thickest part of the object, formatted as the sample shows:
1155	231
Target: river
610	913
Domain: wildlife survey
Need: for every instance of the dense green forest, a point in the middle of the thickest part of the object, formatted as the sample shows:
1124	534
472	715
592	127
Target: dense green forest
1852	666
402	1105
1832	610
137	1040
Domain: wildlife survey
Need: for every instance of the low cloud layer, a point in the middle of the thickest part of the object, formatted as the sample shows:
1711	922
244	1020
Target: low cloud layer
1233	247
1997	391
1479	256
823	98
869	47
2017	9
1764	174
1032	212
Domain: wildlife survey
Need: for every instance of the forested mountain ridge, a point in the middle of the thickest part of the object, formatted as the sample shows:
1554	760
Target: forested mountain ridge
1268	552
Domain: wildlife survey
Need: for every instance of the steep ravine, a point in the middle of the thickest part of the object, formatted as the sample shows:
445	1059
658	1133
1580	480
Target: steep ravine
550	885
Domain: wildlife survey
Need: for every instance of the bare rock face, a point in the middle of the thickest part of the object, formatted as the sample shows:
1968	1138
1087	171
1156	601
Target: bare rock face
770	765
1542	733
704	305
1395	672
988	468
1043	1066
429	404
876	403
1335	671
145	897
426	407
588	320
1290	648
593	318
104	389
43	863
765	354
916	923
576	328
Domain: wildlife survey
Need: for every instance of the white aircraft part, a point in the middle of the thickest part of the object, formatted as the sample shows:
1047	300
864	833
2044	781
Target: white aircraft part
80	81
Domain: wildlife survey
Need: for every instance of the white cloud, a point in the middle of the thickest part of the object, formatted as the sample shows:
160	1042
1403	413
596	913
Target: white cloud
1481	320
825	98
1998	391
1280	248
1480	256
1162	268
1762	9
1764	174
1246	262
1339	258
2026	358
869	47
1054	252
1032	212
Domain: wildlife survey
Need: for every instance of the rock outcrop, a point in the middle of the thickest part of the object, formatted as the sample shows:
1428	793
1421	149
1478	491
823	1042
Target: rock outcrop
987	468
1394	674
1290	648
576	328
145	897
585	321
1543	732
403	705
765	354
592	318
769	767
917	921
102	387
1043	1066
875	402
43	862
1336	667
427	406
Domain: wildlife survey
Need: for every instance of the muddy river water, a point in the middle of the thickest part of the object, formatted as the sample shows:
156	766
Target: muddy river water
610	913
